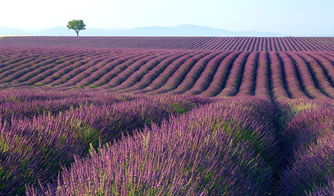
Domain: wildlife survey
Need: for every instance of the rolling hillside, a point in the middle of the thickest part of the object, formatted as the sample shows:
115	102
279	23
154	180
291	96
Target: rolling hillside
250	44
267	67
166	116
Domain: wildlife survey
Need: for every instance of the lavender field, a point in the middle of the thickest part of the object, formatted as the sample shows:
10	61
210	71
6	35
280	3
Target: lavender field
166	116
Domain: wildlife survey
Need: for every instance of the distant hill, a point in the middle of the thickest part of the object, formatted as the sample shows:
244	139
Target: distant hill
180	30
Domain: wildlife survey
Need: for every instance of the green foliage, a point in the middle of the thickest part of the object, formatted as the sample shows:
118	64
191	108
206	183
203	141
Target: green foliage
91	149
302	107
243	135
179	109
92	85
76	25
87	134
51	165
3	146
4	175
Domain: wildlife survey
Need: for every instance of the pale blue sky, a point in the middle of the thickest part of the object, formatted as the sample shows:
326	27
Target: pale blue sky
289	17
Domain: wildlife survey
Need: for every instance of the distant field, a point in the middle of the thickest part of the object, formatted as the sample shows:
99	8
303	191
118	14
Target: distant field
188	43
268	67
166	116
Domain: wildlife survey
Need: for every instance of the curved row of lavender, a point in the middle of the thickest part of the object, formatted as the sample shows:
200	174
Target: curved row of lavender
188	43
43	130
234	146
187	72
84	139
310	140
225	148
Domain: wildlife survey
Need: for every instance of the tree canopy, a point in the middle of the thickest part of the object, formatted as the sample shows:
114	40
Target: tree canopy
76	25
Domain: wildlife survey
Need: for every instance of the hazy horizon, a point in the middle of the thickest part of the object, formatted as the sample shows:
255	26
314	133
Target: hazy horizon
184	30
298	18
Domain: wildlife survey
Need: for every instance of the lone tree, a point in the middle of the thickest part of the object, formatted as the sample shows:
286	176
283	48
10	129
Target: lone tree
76	25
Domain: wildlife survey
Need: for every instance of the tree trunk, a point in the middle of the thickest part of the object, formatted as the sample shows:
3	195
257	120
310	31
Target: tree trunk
77	33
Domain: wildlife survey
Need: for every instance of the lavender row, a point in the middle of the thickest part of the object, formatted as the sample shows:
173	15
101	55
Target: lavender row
29	103
310	138
205	73
219	149
35	149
